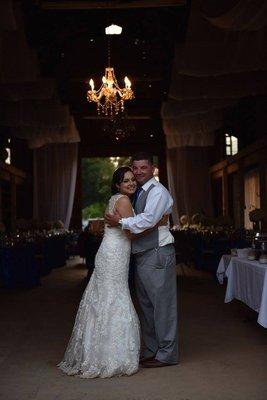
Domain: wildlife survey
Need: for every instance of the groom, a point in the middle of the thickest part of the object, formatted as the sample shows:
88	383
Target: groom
154	259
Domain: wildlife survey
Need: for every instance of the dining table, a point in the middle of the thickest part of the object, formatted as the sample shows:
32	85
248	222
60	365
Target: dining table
247	282
23	261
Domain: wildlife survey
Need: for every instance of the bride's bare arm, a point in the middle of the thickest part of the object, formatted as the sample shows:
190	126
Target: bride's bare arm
124	209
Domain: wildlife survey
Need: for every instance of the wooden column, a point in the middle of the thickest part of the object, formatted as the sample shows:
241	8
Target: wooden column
225	192
76	218
13	207
14	177
241	193
162	165
1	211
263	194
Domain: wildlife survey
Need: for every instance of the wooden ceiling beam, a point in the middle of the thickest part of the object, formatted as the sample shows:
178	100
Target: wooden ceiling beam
129	117
84	80
112	4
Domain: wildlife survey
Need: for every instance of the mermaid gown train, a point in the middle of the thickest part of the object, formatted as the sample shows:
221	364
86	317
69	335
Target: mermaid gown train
105	340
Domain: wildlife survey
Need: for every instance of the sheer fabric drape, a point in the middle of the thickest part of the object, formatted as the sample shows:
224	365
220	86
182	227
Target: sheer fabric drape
188	174
221	61
246	15
55	170
172	189
7	17
18	61
191	130
252	195
38	137
211	51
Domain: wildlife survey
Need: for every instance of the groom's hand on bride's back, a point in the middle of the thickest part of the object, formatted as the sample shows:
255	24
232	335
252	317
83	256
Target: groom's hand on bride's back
112	219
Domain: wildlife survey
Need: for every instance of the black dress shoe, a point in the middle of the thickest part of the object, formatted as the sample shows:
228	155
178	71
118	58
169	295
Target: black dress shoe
145	359
156	364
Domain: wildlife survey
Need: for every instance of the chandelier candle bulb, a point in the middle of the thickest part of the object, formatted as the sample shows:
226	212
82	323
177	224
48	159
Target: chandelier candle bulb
91	83
127	82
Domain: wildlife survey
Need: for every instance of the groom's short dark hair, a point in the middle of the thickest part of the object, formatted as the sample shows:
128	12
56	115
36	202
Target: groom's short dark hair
142	155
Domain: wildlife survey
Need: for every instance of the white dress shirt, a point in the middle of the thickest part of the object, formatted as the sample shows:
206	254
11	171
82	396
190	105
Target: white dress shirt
158	203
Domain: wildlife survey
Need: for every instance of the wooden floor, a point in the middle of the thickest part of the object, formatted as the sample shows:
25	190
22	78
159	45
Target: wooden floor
223	351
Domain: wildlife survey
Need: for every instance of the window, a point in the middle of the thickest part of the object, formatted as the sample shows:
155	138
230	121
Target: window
231	145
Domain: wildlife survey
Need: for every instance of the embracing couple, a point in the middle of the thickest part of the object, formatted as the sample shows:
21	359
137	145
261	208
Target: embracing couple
105	340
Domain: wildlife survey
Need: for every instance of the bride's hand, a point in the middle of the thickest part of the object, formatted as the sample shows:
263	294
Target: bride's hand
112	219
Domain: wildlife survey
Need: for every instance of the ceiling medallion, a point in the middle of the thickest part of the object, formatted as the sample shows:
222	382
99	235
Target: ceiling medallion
113	30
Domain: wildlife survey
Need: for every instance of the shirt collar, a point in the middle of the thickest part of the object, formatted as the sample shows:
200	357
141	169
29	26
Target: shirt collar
149	183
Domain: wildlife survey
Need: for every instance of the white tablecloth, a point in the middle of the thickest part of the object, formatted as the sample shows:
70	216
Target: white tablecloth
222	267
247	281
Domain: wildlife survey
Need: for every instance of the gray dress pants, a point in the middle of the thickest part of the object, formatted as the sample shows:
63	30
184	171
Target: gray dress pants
155	279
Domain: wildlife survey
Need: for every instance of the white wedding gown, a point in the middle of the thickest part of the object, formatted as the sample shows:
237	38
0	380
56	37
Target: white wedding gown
105	340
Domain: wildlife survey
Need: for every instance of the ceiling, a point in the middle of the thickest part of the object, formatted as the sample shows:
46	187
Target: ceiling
72	47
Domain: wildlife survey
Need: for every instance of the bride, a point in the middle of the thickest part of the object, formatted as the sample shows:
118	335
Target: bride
105	340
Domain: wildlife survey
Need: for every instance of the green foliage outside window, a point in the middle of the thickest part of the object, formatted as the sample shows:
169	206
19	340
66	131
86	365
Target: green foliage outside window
96	182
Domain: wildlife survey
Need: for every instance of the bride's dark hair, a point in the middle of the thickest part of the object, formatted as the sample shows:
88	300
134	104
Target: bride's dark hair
118	177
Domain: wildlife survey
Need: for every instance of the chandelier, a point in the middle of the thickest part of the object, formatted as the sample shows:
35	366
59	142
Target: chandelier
110	98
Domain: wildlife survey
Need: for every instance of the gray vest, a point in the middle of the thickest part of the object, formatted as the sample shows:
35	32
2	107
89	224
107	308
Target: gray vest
151	240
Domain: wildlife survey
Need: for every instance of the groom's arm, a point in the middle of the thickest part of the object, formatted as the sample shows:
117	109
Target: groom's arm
159	202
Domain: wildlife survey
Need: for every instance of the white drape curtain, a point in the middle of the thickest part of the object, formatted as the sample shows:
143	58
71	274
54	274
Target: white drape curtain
44	88
186	129
188	174
172	188
237	52
55	171
188	138
31	110
222	60
38	136
176	108
177	137
246	15
211	51
218	88
35	113
252	194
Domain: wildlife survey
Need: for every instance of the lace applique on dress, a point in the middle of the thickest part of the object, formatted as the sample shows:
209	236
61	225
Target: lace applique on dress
105	340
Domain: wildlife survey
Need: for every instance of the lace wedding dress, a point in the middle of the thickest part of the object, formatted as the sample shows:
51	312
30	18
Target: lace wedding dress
105	340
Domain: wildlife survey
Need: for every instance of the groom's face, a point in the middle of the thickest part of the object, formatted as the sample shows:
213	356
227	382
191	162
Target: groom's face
143	171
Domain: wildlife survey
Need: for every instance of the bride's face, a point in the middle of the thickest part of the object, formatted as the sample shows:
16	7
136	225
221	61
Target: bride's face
128	185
